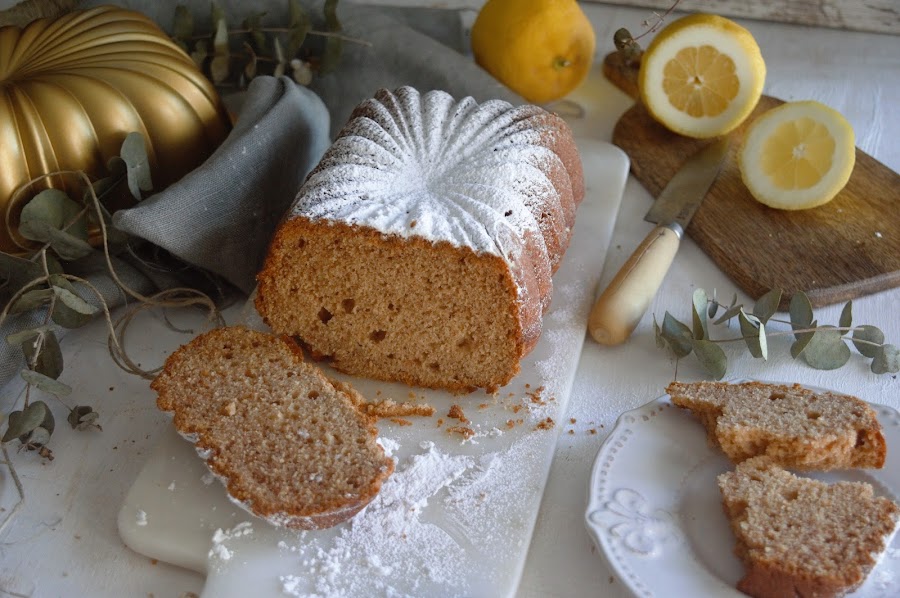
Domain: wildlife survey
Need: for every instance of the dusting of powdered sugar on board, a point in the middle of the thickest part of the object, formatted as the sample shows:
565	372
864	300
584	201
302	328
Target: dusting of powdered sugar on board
389	531
398	529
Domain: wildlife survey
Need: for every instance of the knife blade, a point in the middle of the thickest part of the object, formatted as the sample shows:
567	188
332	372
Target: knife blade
617	312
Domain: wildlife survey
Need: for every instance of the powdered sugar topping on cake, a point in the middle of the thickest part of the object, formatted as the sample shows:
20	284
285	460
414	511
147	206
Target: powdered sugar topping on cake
426	165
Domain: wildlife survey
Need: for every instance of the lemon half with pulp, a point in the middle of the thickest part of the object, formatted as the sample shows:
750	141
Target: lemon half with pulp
798	155
702	75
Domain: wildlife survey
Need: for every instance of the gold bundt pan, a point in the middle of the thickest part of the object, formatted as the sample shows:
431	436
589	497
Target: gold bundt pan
72	88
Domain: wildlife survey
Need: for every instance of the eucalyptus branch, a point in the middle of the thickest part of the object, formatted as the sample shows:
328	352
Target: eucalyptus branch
821	346
38	280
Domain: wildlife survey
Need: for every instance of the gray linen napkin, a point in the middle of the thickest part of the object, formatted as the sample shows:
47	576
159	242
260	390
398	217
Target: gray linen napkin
221	216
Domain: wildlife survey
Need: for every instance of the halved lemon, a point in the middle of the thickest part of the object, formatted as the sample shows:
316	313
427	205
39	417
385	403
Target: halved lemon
798	155
702	75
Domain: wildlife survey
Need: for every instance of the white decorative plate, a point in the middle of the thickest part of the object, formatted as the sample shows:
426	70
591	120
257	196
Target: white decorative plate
655	511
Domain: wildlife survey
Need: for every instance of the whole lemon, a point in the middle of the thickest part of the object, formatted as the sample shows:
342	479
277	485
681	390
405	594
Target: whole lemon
541	49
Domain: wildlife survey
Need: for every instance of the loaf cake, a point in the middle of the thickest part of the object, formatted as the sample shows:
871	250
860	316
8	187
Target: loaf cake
421	248
794	426
290	445
803	538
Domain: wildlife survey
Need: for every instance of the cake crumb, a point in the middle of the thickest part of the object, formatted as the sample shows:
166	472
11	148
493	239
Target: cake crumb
463	431
571	431
456	412
572	420
510	424
535	395
592	431
440	422
483	406
546	424
229	409
401	422
391	409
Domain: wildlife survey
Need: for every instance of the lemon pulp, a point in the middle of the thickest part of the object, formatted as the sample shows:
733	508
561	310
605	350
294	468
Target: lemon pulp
700	81
702	76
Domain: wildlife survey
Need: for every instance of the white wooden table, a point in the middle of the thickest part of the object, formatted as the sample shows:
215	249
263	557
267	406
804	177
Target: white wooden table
64	542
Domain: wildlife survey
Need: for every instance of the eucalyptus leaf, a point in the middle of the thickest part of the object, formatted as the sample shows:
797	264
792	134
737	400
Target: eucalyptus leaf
200	53
846	320
17	338
678	335
754	333
69	247
713	308
863	336
334	45
134	153
803	340
31	300
767	305
38	437
25	421
70	310
83	417
801	311
253	24
183	27
50	210
250	68
280	62
48	385
700	326
711	357
219	67
887	361
48	360
827	349
216	13
299	26
729	313
657	334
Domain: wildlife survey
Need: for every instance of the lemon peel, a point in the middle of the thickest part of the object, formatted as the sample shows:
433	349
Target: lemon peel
540	49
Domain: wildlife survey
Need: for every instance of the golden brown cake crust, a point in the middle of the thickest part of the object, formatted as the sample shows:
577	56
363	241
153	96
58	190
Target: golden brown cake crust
290	445
794	426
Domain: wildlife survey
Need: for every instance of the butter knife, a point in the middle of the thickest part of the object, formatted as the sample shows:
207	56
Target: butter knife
621	306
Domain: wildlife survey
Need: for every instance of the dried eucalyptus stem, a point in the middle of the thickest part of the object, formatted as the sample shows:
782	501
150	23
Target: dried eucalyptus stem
823	347
59	224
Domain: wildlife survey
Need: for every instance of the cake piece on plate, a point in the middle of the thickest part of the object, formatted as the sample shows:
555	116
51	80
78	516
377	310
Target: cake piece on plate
800	537
421	248
289	444
794	426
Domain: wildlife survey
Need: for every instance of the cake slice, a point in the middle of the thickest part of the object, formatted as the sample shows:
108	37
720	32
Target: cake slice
290	445
799	537
794	426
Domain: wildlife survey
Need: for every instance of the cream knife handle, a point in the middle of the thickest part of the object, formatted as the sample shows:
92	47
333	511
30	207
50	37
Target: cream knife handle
623	303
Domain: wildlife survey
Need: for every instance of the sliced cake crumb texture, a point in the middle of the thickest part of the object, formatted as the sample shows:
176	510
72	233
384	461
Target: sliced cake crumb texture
794	426
803	538
290	445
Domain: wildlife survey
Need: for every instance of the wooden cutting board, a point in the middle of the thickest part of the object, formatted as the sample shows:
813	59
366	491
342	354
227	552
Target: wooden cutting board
847	248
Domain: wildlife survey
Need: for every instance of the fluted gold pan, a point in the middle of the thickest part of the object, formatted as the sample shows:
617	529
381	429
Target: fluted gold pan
72	88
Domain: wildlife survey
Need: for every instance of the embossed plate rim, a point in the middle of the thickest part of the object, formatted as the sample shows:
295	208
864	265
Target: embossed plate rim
645	542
